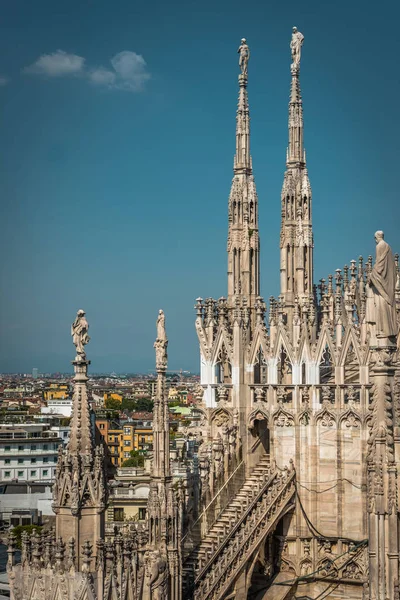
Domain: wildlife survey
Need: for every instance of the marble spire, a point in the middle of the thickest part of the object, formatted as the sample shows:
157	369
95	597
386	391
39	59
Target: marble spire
79	491
243	239
296	223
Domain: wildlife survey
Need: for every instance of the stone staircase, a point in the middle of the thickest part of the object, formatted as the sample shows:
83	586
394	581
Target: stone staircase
213	566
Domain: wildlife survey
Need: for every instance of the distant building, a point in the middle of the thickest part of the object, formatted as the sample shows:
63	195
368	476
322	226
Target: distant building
35	372
58	407
28	452
23	503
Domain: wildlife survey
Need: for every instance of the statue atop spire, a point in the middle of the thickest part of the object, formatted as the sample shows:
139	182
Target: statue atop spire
161	343
80	337
244	55
295	47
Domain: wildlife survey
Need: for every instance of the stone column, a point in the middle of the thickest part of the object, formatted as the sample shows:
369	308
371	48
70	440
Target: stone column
383	530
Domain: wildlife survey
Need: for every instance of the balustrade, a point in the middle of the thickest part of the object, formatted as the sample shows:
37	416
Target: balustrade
297	397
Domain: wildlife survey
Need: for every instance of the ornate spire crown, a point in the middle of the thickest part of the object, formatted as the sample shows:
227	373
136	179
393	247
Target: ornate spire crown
296	152
242	163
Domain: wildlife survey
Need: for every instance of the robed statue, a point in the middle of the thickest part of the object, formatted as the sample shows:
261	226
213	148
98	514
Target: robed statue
79	332
295	47
161	342
244	55
381	302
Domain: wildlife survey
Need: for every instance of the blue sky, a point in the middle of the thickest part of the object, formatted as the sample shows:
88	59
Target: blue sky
117	123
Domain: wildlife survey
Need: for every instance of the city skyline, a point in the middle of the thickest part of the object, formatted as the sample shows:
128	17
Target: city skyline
113	215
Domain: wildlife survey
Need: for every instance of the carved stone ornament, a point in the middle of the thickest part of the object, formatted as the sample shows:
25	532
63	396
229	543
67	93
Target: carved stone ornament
282	418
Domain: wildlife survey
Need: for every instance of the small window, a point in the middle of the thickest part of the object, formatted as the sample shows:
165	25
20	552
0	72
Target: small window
7	473
45	447
33	461
101	425
21	448
45	473
7	461
20	473
118	514
33	473
127	443
45	459
33	447
20	461
142	514
7	448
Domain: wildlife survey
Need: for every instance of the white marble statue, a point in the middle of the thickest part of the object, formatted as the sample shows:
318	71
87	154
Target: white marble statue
79	332
161	334
244	55
295	47
381	303
161	342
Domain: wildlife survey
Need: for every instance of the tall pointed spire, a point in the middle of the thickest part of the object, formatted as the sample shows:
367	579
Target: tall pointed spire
296	226
163	558
243	240
79	491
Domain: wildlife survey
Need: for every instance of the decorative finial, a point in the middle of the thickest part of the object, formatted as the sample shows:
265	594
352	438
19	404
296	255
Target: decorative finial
244	55
80	337
295	47
161	343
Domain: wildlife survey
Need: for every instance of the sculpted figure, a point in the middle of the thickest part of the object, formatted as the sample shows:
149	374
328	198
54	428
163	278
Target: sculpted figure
79	332
244	55
295	47
381	303
161	342
161	334
158	575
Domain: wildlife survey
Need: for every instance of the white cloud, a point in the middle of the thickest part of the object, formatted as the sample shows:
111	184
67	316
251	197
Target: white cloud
102	76
131	70
3	81
57	64
128	70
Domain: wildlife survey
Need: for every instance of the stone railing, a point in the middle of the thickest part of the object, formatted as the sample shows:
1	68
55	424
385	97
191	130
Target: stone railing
260	517
298	397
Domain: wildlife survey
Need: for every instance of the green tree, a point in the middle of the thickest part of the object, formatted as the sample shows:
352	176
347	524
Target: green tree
19	529
112	404
144	405
128	404
136	460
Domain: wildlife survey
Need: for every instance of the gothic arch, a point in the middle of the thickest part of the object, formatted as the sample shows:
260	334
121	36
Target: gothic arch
260	366
325	340
258	343
258	414
350	339
222	365
327	568
221	341
305	567
304	418
284	368
282	341
220	416
350	418
325	418
326	366
283	418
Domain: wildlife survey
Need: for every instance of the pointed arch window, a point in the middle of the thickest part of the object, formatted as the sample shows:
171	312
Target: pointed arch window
284	368
351	366
326	367
260	368
223	367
